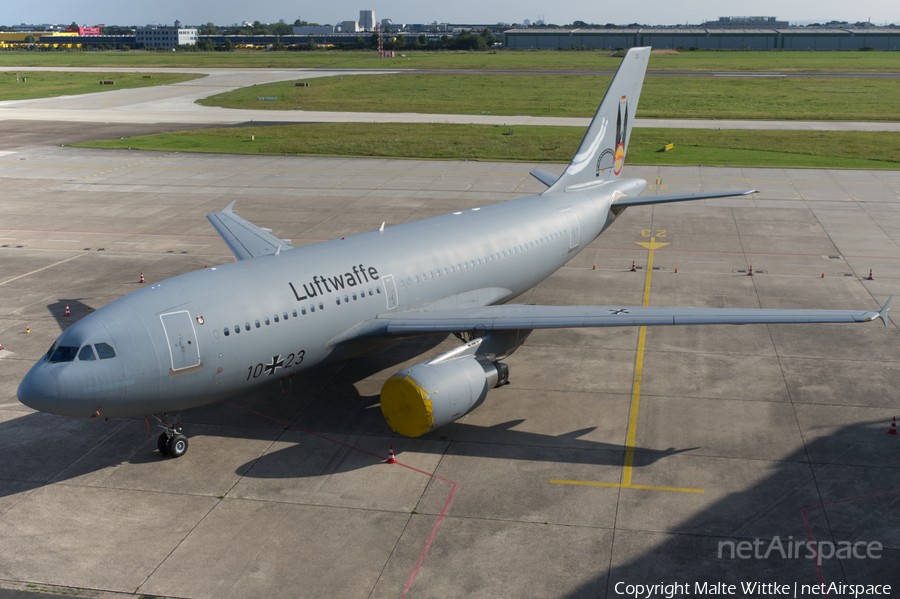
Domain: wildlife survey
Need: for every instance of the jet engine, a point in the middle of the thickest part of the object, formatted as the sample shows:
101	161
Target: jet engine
431	394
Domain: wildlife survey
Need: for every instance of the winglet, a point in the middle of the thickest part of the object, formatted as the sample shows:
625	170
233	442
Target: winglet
229	207
884	310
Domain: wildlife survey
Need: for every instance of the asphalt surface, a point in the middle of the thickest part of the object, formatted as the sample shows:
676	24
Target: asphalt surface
782	428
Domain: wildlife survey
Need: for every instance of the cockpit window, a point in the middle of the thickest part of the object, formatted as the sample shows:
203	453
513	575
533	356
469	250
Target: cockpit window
86	353
51	350
105	351
63	354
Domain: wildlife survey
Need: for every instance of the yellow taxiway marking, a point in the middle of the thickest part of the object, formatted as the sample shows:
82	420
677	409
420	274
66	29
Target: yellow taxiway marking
635	399
132	165
624	486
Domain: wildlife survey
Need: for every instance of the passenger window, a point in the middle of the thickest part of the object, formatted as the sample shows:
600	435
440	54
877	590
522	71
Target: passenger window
276	318
378	289
458	266
354	297
346	299
247	325
472	263
226	332
237	328
303	311
105	351
417	278
400	281
370	291
86	353
63	354
321	307
312	308
337	301
266	320
257	324
286	316
294	312
408	281
445	270
430	274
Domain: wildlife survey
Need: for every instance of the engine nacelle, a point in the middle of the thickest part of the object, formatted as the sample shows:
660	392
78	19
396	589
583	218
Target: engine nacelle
429	395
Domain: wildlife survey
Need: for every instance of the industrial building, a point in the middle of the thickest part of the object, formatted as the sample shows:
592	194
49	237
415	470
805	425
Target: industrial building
164	37
704	38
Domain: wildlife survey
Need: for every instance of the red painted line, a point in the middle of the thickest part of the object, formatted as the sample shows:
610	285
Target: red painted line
810	537
809	530
437	525
440	519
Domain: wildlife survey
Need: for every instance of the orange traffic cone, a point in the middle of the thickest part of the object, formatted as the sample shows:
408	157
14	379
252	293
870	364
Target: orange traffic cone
750	274
893	429
67	310
871	278
676	270
391	459
142	277
595	267
633	269
823	275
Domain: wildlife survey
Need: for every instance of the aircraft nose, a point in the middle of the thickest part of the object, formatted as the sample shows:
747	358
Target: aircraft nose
38	390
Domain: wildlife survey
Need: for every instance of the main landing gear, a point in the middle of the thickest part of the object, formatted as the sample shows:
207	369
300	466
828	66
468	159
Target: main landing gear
171	442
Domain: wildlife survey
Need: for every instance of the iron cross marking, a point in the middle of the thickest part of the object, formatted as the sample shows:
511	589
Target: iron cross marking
277	363
620	311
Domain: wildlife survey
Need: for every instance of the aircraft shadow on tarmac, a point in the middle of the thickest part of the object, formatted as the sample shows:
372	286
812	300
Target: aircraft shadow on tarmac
329	404
844	470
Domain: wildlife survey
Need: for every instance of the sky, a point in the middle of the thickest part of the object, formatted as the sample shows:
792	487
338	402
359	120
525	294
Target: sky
651	12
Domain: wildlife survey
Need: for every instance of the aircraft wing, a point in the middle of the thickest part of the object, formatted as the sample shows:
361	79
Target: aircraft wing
521	316
243	238
682	197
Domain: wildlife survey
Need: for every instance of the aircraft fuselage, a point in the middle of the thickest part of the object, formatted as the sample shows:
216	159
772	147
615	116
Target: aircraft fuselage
216	332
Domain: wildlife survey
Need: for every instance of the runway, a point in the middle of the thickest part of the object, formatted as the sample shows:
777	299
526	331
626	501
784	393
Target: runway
174	104
739	433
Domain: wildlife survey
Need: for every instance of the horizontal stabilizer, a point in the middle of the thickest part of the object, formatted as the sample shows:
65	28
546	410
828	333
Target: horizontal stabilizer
243	238
545	177
681	197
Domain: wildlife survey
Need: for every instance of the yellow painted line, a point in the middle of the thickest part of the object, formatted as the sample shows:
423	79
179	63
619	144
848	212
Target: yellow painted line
635	400
105	104
638	375
626	486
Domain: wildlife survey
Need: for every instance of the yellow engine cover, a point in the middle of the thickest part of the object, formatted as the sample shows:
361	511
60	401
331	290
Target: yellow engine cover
406	406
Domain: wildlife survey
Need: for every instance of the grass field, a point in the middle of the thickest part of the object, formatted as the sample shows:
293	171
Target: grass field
505	59
43	85
780	149
742	98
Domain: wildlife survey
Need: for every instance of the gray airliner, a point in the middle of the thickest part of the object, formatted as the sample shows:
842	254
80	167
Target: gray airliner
278	311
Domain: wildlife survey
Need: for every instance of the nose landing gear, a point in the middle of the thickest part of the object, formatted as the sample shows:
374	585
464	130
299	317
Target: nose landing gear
171	442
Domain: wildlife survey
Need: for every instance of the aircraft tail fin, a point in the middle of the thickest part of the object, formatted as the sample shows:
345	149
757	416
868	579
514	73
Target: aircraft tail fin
602	151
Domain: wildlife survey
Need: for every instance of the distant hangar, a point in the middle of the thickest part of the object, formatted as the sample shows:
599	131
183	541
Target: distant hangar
705	39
